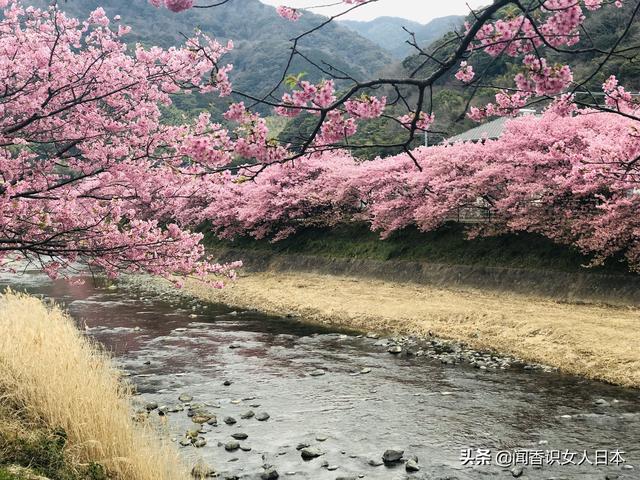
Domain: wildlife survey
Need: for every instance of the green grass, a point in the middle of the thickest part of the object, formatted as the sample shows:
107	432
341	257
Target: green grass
43	453
447	245
5	475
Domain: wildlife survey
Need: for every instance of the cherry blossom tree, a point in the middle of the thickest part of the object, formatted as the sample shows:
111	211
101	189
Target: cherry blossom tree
90	172
573	179
87	169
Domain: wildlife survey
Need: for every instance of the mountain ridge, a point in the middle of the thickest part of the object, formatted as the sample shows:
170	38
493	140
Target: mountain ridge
261	37
388	33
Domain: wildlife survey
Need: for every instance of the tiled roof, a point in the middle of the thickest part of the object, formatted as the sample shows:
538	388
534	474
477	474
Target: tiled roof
489	130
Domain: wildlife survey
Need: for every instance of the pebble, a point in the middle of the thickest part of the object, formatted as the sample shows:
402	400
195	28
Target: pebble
262	416
199	443
317	373
240	436
230	420
395	349
270	474
184	398
412	466
517	471
231	446
150	406
392	456
203	418
226	383
247	415
310	452
374	462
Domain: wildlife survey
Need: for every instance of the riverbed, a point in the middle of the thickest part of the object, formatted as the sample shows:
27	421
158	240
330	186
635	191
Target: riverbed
344	395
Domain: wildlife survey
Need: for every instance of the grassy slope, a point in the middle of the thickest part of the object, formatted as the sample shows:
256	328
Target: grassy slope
447	245
34	451
63	406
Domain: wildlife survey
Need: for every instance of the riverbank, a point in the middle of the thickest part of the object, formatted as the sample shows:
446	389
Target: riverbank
65	412
593	341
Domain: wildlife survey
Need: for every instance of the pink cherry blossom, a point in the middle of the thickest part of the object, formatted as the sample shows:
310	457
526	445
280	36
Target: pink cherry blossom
289	13
466	73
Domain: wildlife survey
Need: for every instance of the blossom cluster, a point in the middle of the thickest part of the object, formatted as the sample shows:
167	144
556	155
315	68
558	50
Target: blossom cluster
558	25
88	171
570	179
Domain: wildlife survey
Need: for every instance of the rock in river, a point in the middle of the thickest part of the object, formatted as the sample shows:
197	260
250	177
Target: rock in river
262	416
240	436
412	466
231	446
395	349
230	420
184	398
269	474
517	471
248	414
310	452
202	417
392	456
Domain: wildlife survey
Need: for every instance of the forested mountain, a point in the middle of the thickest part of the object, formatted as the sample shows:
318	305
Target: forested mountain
450	98
389	33
259	34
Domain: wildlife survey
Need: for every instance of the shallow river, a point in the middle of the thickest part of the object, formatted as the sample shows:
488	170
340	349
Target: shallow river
170	345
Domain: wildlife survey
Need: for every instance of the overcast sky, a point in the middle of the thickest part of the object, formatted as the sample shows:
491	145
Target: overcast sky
418	10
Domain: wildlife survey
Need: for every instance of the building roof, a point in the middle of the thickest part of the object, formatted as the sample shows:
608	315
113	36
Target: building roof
490	130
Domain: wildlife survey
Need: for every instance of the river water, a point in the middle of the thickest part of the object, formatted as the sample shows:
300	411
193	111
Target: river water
454	418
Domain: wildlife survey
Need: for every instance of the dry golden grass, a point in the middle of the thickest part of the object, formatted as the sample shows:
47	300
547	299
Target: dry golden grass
594	341
51	374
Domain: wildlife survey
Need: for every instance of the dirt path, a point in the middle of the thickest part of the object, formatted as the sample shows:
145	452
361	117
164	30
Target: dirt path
597	342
